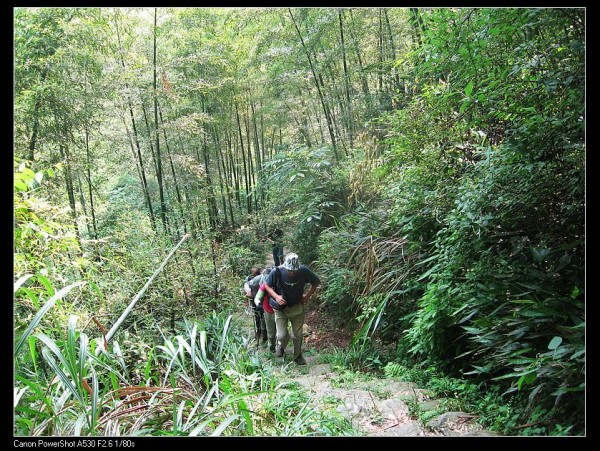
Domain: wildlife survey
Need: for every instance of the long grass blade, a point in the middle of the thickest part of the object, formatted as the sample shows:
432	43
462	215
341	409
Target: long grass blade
21	281
224	337
18	392
60	373
40	314
224	424
119	354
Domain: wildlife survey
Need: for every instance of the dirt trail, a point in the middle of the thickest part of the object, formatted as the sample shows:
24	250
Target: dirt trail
378	407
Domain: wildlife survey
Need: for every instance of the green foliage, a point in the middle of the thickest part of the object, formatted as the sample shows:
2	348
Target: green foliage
485	171
337	292
357	360
241	259
315	194
71	405
43	233
455	227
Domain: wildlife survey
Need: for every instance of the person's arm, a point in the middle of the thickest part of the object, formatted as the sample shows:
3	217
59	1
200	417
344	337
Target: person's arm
260	294
306	296
247	290
271	292
314	281
278	298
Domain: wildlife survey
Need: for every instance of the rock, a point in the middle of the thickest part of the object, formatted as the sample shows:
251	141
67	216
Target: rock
432	404
349	409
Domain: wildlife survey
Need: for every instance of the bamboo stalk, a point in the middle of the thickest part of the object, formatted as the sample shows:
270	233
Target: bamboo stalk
138	296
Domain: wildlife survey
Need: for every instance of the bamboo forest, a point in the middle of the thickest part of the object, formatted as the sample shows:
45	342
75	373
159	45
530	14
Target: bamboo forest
422	169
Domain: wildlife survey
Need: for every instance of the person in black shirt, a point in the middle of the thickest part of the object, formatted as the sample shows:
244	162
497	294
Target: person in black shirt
275	237
285	285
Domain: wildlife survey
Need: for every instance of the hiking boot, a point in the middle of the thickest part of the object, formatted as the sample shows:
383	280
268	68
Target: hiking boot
279	352
300	360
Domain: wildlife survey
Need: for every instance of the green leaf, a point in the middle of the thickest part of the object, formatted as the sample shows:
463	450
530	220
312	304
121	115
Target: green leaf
464	105
21	281
18	392
29	173
60	373
526	379
555	343
47	284
20	186
217	432
38	317
469	88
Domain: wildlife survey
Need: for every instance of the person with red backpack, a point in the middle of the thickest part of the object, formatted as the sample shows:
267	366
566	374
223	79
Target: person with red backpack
285	285
251	288
268	313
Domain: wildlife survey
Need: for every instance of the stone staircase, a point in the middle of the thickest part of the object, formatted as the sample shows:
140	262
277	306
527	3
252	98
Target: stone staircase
380	407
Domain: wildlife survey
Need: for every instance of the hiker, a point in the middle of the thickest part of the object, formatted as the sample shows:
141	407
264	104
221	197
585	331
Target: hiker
285	285
254	271
275	237
251	288
268	313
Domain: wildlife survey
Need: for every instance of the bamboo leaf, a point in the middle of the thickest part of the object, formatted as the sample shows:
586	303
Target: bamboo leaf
47	306
469	88
21	281
18	392
554	343
217	432
61	374
95	399
49	288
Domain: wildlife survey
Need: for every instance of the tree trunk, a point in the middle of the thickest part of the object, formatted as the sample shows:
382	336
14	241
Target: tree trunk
418	26
36	122
251	172
392	50
363	79
69	181
231	147
248	203
222	181
159	175
83	206
34	132
258	165
380	54
142	172
150	138
175	183
316	80
349	123
213	213
89	182
227	173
